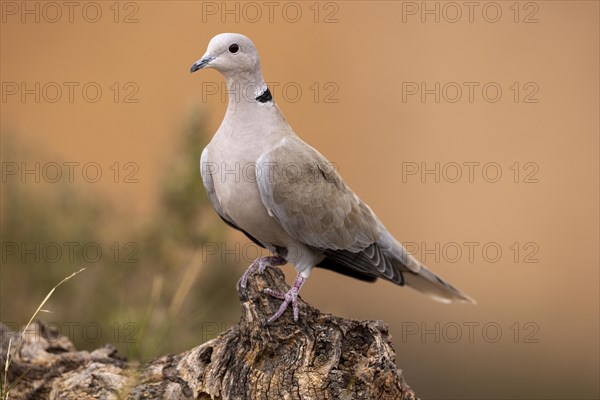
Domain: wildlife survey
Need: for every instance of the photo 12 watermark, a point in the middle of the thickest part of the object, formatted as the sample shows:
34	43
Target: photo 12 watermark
470	92
99	333
253	12
69	172
289	92
271	172
54	252
70	92
491	332
475	252
53	12
470	172
233	252
471	12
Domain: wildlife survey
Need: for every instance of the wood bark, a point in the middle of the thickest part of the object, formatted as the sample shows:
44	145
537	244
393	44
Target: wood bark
321	356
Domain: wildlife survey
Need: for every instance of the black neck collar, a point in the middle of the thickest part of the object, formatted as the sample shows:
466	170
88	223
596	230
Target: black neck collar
265	96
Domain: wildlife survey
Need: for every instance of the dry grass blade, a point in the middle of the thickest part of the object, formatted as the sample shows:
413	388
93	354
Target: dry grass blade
5	389
45	300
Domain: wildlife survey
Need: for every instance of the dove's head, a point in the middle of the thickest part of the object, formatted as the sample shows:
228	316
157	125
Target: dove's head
230	53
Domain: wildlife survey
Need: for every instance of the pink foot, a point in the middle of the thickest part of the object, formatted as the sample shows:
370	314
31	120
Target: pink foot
261	264
290	297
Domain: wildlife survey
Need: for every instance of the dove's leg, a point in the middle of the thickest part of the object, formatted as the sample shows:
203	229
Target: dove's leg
261	264
290	297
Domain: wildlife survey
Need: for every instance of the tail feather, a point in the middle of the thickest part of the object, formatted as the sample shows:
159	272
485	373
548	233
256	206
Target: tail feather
418	276
435	287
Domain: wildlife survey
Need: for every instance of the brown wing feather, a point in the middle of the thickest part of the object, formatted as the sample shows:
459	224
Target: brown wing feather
310	200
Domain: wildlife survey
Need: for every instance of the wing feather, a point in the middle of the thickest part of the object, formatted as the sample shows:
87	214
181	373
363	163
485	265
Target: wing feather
310	200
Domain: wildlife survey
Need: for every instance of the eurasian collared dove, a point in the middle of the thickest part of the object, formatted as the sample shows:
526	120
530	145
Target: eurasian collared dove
263	180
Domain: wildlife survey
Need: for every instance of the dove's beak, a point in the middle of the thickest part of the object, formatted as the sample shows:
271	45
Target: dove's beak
201	63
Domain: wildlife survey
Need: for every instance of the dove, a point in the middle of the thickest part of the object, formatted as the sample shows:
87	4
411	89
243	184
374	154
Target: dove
265	181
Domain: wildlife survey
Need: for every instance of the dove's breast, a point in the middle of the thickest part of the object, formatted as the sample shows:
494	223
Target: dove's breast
234	167
247	134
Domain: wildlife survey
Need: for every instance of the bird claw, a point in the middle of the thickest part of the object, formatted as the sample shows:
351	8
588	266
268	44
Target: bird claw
274	293
260	264
291	296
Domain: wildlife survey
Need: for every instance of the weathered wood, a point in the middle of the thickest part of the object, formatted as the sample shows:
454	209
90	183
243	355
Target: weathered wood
319	357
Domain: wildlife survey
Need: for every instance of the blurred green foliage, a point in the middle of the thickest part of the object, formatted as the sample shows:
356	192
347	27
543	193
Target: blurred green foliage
153	290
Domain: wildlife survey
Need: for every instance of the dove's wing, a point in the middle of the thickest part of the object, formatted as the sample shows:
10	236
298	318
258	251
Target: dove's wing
305	194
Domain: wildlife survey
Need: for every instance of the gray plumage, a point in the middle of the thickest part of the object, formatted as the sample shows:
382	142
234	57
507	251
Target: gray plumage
262	179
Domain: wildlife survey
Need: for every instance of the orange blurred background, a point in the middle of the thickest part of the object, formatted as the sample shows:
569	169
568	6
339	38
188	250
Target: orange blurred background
474	138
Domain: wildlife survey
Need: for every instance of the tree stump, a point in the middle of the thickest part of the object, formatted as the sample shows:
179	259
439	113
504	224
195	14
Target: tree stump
319	357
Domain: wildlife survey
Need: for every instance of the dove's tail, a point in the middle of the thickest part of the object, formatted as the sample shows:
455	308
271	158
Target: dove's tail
418	276
435	287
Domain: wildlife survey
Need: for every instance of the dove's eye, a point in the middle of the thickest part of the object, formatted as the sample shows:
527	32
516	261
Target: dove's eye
234	48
